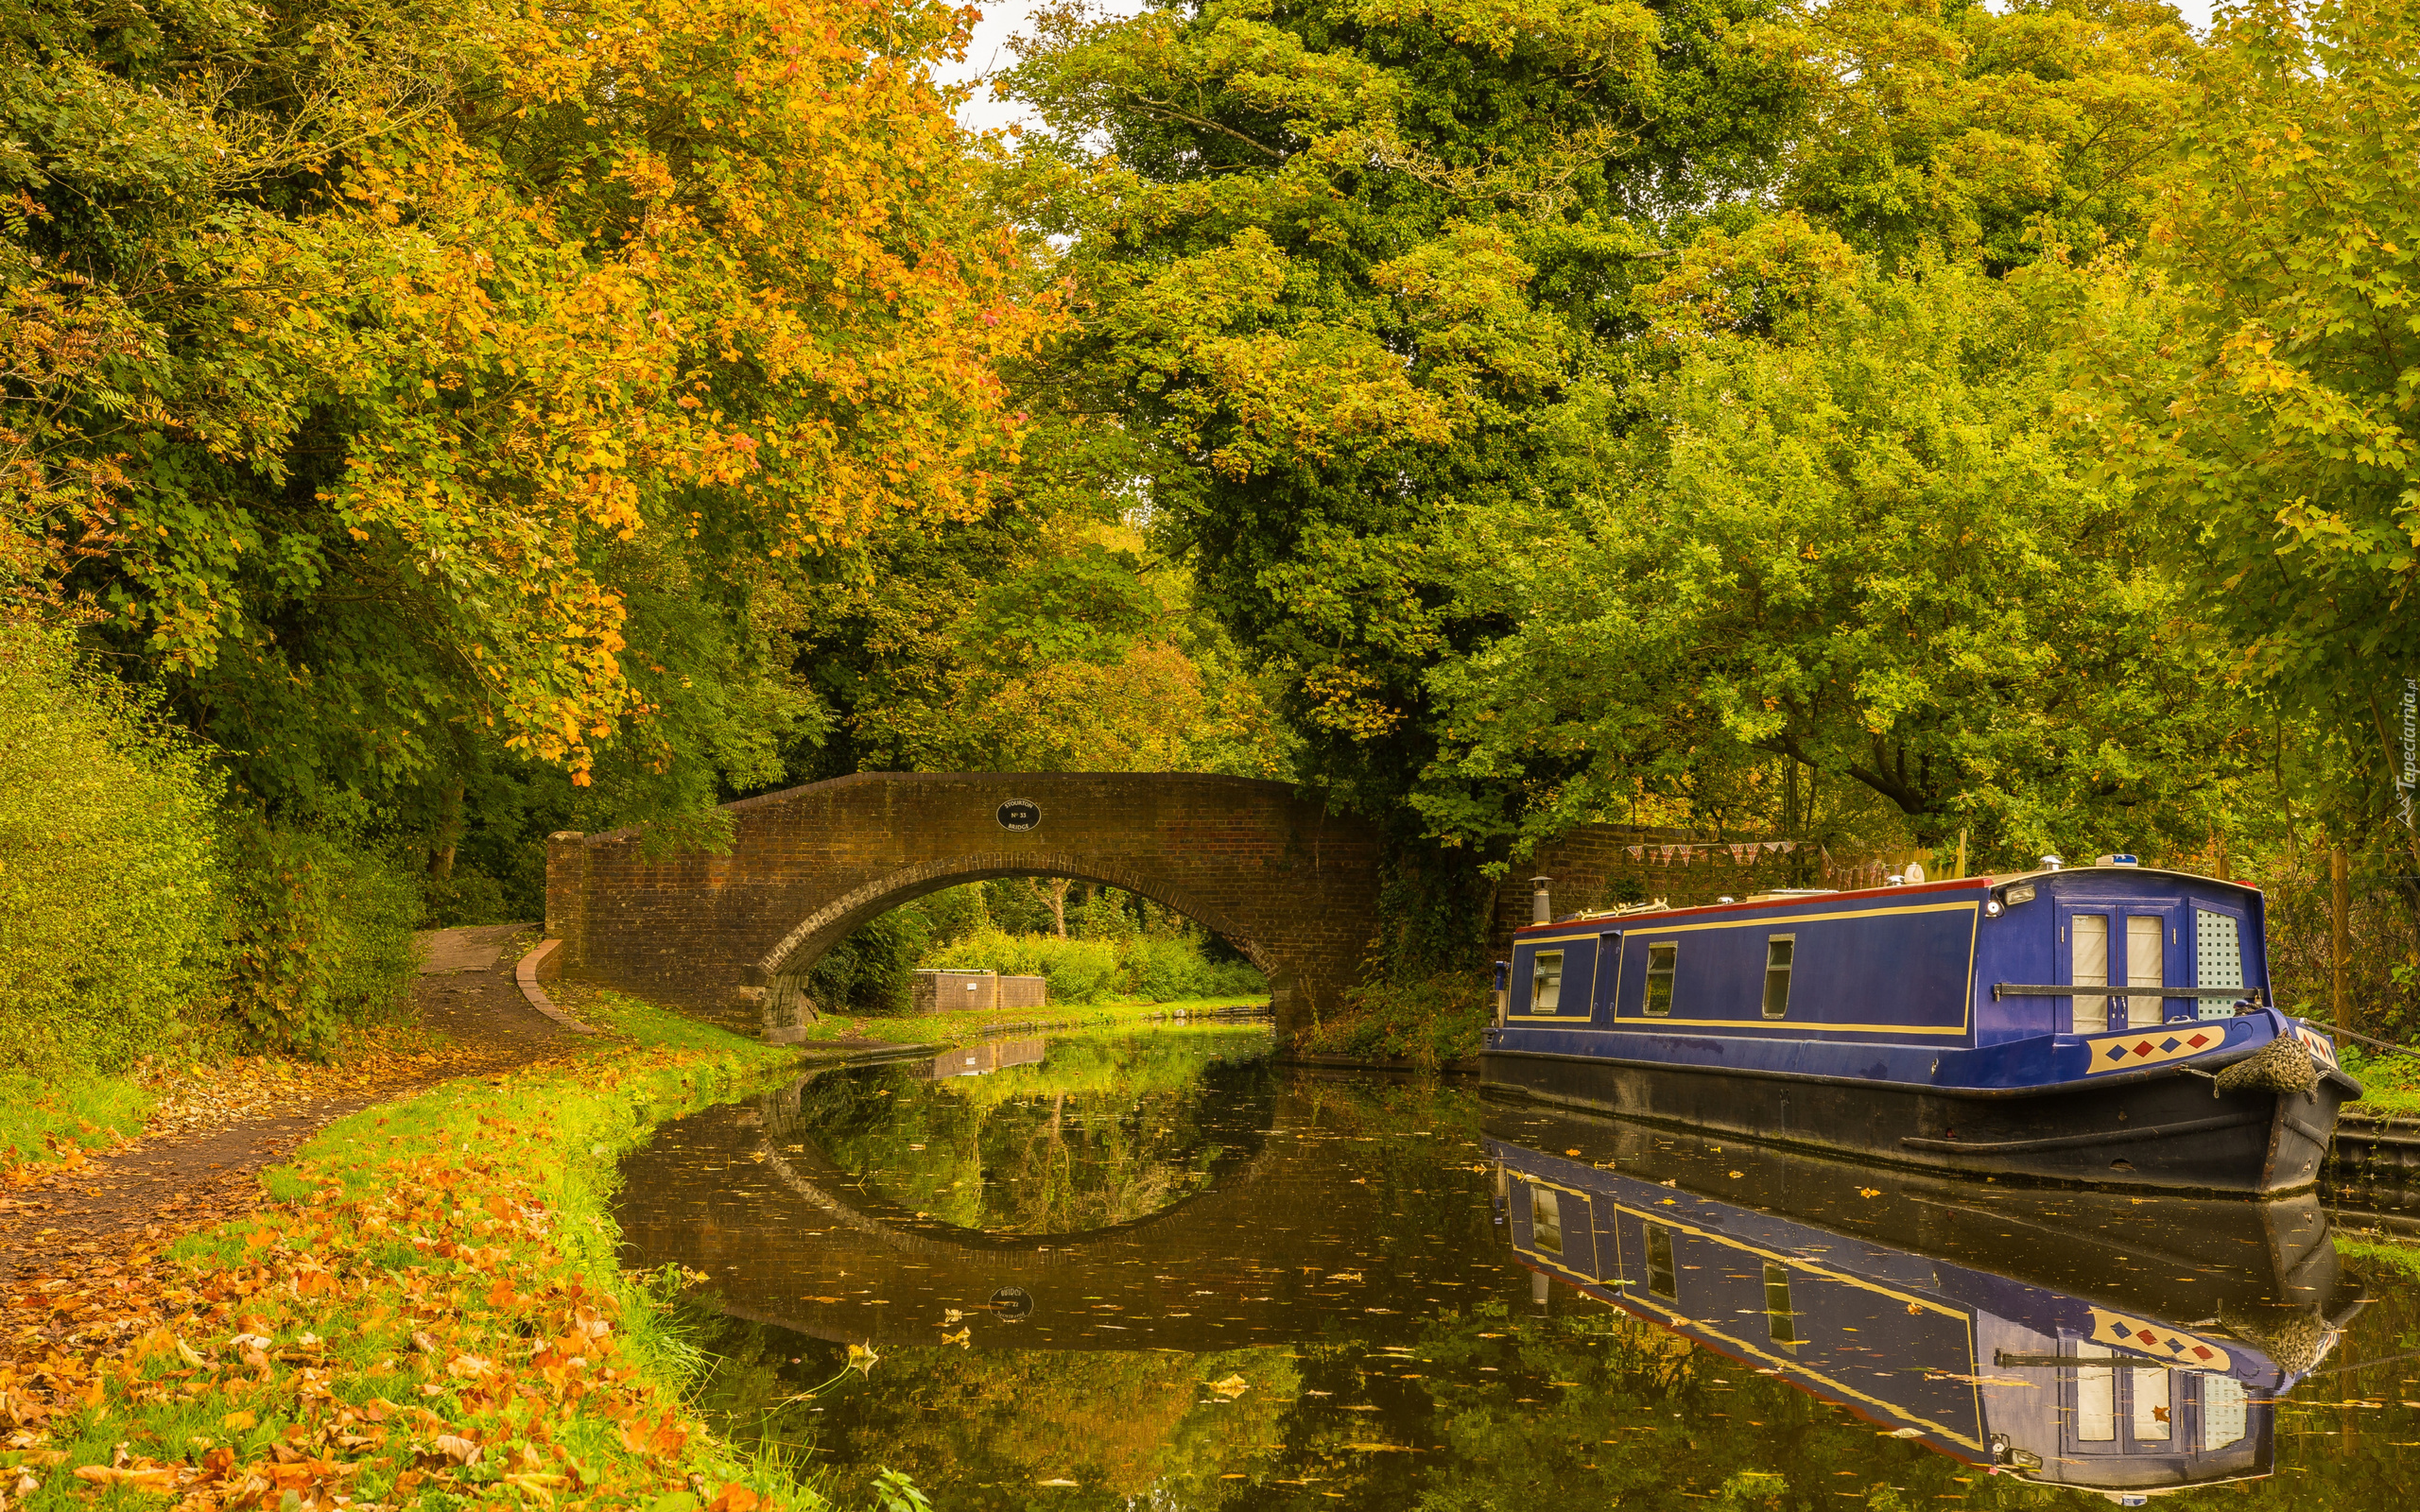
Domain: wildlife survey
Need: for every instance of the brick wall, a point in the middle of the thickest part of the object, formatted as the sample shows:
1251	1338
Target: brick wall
1262	865
1588	866
942	991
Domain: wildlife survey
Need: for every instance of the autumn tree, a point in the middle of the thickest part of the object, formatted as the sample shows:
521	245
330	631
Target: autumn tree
2258	381
405	381
1374	279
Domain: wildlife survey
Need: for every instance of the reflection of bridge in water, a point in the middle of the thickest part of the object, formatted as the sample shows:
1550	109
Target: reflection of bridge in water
1307	1229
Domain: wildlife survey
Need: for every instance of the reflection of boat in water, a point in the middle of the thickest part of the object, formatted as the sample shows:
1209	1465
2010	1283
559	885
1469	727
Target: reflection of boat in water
2082	1339
2100	1026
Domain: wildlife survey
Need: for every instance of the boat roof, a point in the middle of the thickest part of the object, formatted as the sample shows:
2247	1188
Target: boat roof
1981	882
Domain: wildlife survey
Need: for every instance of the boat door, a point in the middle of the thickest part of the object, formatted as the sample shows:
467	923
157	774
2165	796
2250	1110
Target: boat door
2119	943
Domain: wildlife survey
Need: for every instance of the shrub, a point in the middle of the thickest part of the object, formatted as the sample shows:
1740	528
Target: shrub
110	875
872	968
468	896
321	936
1163	970
1077	971
1428	1021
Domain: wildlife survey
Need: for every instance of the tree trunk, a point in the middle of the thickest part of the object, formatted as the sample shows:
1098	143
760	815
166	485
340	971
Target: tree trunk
2339	877
1055	889
449	832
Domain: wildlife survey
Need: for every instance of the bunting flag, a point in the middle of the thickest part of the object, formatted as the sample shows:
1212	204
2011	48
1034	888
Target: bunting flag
1634	852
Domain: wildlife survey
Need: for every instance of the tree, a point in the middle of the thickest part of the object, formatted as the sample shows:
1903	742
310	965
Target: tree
405	381
1363	271
2258	381
1850	542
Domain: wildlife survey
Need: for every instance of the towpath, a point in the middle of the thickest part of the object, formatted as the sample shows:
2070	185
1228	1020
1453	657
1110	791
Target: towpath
84	1225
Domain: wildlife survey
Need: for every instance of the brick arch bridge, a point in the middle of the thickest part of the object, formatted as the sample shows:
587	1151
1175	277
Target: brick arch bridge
1262	865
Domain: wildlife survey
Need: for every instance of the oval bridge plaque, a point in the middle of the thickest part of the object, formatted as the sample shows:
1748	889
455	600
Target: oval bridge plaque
1020	813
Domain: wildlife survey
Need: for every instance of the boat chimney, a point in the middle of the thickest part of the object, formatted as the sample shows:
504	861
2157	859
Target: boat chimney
1539	911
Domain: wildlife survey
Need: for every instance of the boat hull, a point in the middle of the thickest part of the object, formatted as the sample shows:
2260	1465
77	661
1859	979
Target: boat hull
2162	1131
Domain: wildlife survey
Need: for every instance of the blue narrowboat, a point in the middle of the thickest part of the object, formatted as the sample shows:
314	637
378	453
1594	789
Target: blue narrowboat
2066	1374
2108	1026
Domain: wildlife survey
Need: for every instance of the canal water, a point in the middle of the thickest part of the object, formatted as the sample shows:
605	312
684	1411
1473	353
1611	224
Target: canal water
1162	1271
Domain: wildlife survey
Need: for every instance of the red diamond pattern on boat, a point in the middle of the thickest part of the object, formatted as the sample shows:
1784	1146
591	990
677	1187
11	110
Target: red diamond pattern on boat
2143	1049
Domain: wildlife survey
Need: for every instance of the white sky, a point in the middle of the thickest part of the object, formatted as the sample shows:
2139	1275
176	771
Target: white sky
990	52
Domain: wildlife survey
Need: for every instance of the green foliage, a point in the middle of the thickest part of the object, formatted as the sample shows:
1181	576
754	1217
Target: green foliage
321	936
1854	543
871	968
1427	1020
1117	962
1363	275
2257	378
465	896
110	875
1077	971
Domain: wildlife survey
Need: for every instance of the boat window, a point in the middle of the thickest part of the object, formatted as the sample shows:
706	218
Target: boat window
2096	1397
1546	981
2217	958
2145	966
1778	949
1660	1272
2222	1411
1660	962
2152	1398
2088	966
1546	1220
1781	1319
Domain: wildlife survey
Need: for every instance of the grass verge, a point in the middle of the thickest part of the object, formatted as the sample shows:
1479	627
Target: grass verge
427	1312
2389	1082
973	1023
40	1117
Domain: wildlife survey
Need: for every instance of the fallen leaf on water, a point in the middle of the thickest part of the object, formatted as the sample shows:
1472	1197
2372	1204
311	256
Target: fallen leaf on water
1054	1482
1232	1386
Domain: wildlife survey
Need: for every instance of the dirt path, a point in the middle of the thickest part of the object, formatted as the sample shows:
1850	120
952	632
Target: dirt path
66	1223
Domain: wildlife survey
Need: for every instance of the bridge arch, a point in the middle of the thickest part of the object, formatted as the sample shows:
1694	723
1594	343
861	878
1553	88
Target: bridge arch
1262	865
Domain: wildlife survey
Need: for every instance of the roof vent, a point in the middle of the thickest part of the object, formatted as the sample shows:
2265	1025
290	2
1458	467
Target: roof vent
1897	880
2051	862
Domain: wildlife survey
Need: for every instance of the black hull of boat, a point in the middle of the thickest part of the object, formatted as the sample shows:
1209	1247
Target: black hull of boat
2159	1131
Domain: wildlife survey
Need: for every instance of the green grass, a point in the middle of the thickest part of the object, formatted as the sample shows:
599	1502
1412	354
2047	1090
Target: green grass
942	1028
2389	1082
437	1271
39	1115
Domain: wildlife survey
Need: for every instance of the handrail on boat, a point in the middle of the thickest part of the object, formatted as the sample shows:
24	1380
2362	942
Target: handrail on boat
2119	989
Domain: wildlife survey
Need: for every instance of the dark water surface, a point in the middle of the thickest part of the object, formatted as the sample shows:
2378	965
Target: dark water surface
1162	1272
